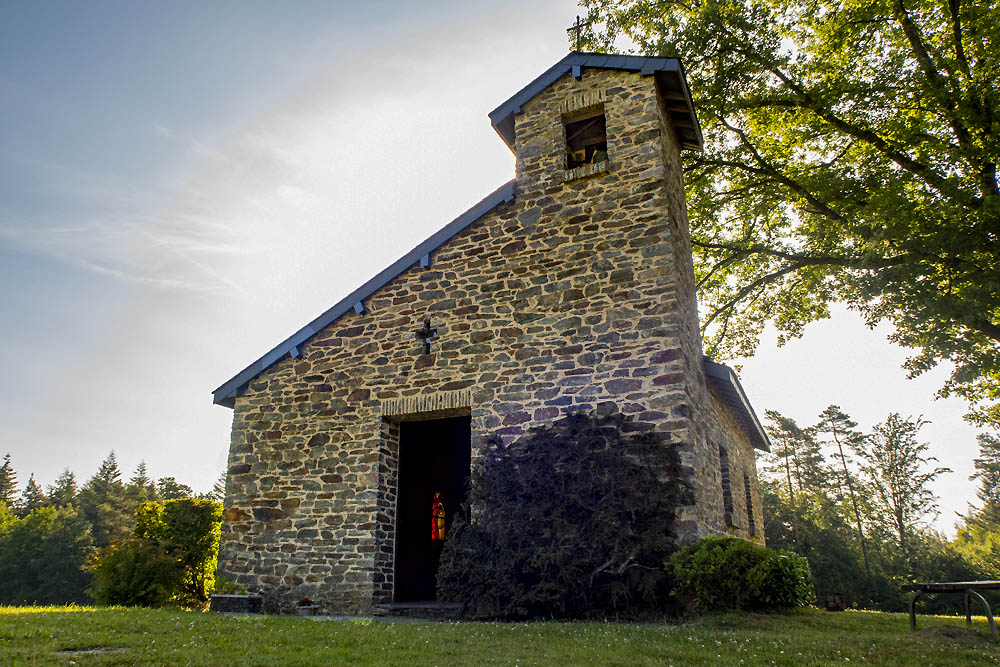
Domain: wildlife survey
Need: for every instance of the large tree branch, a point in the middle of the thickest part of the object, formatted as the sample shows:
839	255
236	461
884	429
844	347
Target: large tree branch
767	168
985	327
934	78
925	173
748	289
956	32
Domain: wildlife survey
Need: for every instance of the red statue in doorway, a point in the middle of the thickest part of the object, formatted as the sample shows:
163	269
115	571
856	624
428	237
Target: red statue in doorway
437	517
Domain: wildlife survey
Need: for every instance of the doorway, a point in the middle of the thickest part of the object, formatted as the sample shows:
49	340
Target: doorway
434	462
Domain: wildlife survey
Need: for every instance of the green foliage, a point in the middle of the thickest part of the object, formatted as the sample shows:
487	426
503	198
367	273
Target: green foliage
978	541
573	520
896	467
824	536
987	466
183	533
225	586
32	497
193	528
169	488
43	556
721	573
850	155
883	490
103	502
136	572
63	492
8	483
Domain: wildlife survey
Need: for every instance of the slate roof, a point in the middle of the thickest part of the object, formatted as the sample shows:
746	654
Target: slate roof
669	74
724	380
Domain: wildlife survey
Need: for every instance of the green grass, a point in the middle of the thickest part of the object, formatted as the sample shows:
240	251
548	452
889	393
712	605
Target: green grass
89	636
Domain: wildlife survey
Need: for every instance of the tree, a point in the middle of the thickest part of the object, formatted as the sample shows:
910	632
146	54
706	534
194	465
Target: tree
32	497
169	488
988	473
140	488
43	557
63	492
896	467
843	432
190	529
979	539
141	484
851	155
8	483
103	503
218	492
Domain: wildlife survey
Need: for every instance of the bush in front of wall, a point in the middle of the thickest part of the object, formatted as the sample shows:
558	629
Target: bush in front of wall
727	573
571	521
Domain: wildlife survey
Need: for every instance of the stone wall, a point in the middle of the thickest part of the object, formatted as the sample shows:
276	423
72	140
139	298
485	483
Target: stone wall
578	295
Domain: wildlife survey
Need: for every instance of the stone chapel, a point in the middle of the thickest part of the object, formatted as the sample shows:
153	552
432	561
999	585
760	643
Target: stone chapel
570	287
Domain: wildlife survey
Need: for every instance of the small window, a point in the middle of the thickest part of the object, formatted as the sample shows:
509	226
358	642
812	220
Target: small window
727	492
751	524
586	139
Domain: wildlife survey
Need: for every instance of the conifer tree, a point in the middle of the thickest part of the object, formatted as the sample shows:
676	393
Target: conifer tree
103	503
219	488
140	487
32	497
8	483
63	492
988	473
843	431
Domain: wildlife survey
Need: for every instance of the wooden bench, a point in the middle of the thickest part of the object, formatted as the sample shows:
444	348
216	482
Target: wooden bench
969	588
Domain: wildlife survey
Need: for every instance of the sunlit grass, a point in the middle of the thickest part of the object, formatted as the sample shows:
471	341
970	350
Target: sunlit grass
117	636
6	610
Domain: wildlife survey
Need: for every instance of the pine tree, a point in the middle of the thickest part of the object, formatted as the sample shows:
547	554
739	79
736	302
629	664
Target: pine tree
141	487
103	503
8	483
219	488
32	497
170	489
63	492
988	473
843	432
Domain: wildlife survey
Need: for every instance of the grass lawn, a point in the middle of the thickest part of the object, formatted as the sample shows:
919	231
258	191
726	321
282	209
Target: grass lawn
89	636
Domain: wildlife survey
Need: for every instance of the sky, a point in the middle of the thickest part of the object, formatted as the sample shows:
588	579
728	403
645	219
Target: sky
185	184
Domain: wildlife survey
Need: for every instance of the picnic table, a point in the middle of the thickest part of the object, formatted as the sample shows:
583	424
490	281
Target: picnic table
969	588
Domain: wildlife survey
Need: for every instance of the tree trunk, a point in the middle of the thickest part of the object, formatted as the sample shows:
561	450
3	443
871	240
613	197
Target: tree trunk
854	503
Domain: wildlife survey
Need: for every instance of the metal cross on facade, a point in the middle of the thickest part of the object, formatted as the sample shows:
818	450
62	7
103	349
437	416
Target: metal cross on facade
427	334
578	28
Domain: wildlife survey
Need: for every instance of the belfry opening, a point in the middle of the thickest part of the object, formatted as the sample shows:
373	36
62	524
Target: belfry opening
434	464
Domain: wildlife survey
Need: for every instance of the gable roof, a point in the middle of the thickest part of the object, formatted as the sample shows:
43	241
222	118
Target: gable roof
724	380
291	346
669	74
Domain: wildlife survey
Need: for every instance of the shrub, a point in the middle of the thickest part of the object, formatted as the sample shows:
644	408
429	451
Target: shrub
136	572
180	536
573	520
722	573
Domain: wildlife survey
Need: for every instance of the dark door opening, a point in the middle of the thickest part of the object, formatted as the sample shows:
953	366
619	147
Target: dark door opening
434	461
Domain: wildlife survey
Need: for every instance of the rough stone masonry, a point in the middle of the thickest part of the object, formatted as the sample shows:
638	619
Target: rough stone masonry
573	291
